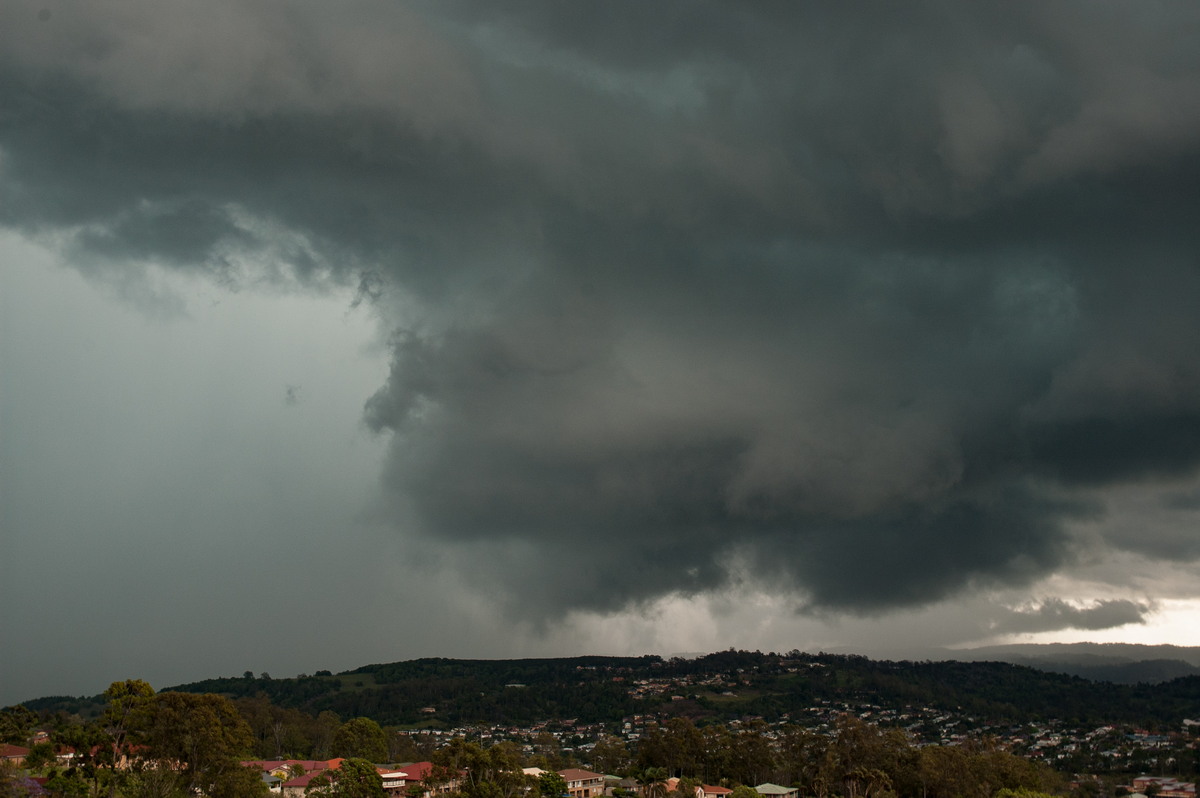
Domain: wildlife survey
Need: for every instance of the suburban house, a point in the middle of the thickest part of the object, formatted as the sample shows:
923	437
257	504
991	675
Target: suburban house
13	753
296	787
288	768
769	790
1167	788
418	773
292	777
709	791
395	782
583	783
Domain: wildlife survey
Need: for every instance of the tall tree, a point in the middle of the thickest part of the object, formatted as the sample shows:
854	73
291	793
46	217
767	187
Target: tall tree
89	741
753	758
718	753
354	778
230	780
17	724
493	772
551	785
324	729
361	738
610	755
800	755
124	720
652	782
858	745
66	784
201	735
153	782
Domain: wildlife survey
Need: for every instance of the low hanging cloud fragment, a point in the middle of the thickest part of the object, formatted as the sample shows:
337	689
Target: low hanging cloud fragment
857	307
1055	614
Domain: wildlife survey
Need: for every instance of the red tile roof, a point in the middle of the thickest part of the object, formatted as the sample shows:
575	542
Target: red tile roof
308	765
302	781
417	770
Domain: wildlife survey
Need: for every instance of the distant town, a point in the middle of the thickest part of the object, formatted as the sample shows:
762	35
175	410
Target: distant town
738	724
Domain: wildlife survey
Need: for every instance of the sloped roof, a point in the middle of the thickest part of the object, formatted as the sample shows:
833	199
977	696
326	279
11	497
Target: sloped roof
417	770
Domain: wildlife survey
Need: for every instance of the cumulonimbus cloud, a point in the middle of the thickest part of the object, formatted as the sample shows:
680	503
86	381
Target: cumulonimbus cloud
865	303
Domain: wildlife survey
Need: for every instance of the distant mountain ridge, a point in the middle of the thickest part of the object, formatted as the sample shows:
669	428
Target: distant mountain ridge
1121	663
448	693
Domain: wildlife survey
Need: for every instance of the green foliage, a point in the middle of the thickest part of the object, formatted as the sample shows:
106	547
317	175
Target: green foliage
361	738
404	748
230	780
859	760
524	691
125	715
652	782
84	738
125	699
203	735
686	788
40	756
324	728
17	724
610	755
355	778
67	784
280	732
14	783
153	782
677	746
952	771
551	785
742	791
493	772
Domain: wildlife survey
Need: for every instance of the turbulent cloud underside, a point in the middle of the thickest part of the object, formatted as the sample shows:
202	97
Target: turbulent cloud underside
859	306
1054	614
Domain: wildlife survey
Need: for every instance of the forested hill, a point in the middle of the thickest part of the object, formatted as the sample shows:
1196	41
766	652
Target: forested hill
1124	663
715	687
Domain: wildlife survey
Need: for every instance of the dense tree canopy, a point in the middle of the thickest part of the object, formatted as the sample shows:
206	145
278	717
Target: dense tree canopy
354	778
17	724
188	742
551	785
361	738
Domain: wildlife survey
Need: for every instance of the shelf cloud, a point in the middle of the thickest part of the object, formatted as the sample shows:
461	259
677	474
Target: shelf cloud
864	305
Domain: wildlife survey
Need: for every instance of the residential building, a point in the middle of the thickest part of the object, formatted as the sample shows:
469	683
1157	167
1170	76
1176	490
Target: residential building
583	783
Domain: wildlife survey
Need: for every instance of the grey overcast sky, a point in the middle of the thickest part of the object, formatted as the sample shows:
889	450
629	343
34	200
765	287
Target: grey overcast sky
336	333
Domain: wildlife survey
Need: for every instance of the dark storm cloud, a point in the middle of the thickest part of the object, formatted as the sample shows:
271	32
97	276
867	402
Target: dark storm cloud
853	303
1054	614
